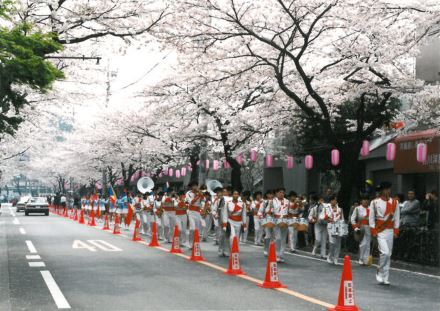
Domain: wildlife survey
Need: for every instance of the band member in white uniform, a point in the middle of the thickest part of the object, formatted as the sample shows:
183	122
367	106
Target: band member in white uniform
169	216
149	210
138	206
255	207
196	200
234	213
158	213
335	214
206	216
384	223
280	208
182	218
266	210
318	217
360	223
217	209
246	198
295	211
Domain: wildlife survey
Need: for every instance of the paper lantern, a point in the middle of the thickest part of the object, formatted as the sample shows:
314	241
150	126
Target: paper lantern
161	174
183	171
177	174
119	182
207	164
98	186
309	162
170	172
215	165
239	159
391	151
165	172
269	160
289	162
253	155
226	164
365	149
422	152
198	163
335	157
190	168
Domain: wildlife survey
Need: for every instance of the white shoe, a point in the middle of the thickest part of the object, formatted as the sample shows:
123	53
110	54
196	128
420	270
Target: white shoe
379	278
335	261
265	253
329	260
361	262
386	283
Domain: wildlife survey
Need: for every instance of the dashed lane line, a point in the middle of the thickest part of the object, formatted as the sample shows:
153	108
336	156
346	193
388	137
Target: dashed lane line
36	264
22	231
31	247
16	221
55	291
33	257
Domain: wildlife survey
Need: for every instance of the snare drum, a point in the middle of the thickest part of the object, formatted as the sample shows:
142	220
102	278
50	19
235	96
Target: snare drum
293	222
268	222
282	222
303	225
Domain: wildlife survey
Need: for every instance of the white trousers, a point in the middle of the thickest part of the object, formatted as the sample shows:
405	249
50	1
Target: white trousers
280	240
195	221
207	227
293	238
169	222
182	223
145	225
320	239
235	231
244	236
259	230
335	246
364	246
385	242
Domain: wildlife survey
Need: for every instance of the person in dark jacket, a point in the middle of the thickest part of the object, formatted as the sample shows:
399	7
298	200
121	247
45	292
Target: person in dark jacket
430	209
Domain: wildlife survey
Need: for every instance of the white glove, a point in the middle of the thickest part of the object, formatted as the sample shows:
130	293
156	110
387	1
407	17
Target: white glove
357	229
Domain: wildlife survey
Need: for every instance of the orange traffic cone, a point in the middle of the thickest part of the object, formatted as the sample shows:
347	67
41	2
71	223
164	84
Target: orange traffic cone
92	220
81	217
75	215
234	259
66	210
196	254
272	280
154	241
106	224
346	291
136	236
175	247
117	227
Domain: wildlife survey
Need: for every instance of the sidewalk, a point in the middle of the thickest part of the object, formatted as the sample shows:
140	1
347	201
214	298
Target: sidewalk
4	264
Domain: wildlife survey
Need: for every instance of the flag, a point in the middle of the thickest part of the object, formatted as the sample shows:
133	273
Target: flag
166	187
112	195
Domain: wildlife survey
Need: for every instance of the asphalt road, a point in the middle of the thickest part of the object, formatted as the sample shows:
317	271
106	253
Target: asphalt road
87	268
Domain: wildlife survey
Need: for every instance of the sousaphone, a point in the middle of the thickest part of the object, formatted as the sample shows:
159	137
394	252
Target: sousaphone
145	184
212	184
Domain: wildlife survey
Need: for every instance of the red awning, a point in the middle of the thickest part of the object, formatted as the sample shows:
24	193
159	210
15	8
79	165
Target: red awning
418	135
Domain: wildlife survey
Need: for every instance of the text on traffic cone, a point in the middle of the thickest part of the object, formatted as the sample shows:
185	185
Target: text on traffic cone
136	236
346	291
154	242
92	220
175	247
196	254
234	259
106	224
81	217
272	280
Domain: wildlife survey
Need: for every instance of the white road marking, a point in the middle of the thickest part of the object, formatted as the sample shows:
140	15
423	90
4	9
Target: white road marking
33	257
22	231
77	244
16	221
36	264
55	291
31	247
105	246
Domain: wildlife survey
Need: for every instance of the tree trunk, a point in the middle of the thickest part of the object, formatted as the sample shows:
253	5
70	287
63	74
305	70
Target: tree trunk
349	176
195	169
235	174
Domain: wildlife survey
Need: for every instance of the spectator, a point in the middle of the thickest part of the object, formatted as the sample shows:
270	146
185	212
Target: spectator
431	209
63	201
410	212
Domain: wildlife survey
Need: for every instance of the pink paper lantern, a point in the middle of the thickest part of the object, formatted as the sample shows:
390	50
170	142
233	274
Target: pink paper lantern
335	157
289	162
309	162
215	165
165	172
160	174
98	186
207	164
177	173
422	152
365	149
253	155
391	151
239	159
170	172
119	182
226	165
198	163
190	168
183	171
269	160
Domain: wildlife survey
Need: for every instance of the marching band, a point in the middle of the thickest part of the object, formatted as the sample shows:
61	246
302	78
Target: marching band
274	218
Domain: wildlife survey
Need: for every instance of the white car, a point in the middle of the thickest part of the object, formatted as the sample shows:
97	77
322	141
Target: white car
21	204
37	205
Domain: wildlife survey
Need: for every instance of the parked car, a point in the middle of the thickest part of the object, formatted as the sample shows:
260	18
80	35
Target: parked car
37	205
21	204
